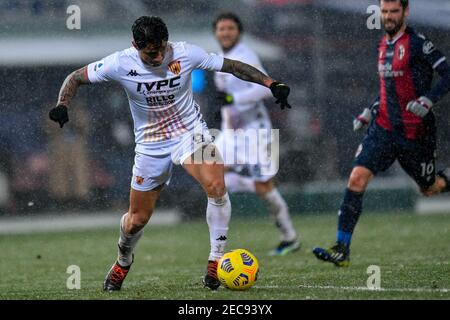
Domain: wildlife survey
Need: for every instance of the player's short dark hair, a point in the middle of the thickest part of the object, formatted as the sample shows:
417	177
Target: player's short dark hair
149	30
404	3
228	16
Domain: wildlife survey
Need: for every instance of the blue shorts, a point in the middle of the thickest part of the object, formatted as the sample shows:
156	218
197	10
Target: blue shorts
380	148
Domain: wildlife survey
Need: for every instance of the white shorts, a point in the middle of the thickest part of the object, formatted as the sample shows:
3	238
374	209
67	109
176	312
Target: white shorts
151	171
247	155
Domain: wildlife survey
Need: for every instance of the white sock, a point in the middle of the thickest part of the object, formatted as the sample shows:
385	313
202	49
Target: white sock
127	243
239	183
279	210
218	214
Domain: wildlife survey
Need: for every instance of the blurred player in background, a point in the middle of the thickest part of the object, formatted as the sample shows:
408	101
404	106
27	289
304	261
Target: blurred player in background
243	108
168	127
402	124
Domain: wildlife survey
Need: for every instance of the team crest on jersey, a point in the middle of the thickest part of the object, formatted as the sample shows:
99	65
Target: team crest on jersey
401	52
175	67
139	180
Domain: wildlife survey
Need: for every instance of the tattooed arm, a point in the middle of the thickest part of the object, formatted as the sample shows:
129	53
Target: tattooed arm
68	90
70	86
248	73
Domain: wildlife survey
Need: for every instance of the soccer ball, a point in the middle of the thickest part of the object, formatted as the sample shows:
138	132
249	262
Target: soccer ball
238	269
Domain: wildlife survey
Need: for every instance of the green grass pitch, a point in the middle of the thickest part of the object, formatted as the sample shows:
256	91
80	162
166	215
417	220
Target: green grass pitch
411	250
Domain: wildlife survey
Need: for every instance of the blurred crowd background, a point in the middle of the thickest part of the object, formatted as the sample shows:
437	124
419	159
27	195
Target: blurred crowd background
322	49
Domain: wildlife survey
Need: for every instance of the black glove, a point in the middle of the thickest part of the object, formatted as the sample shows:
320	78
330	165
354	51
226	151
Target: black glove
281	92
223	98
59	114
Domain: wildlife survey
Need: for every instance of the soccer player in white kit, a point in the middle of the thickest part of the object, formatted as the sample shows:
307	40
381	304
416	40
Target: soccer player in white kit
243	108
168	128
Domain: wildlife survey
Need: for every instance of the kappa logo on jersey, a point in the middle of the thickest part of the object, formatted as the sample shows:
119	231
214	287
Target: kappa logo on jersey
133	73
161	84
175	67
99	65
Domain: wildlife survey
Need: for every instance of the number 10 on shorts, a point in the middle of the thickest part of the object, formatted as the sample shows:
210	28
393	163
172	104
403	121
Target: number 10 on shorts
427	168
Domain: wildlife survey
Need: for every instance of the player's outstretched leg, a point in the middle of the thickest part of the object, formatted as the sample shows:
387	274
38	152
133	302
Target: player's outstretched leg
278	209
132	225
218	213
349	213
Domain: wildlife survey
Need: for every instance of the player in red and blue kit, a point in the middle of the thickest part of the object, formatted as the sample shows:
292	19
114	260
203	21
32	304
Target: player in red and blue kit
402	125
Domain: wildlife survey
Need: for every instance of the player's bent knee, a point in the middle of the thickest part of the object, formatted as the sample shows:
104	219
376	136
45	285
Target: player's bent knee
357	184
139	218
215	188
359	179
138	222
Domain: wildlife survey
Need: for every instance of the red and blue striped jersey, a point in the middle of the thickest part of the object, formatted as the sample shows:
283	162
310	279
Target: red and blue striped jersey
406	66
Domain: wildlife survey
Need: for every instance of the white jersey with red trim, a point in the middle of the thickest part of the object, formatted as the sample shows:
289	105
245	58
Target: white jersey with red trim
160	98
